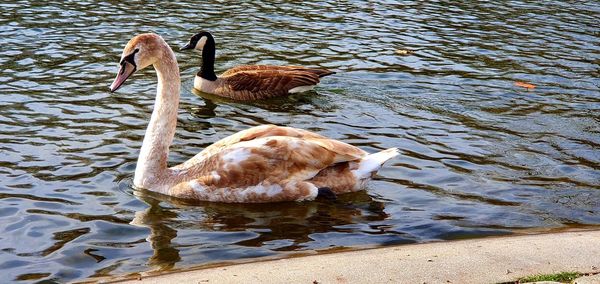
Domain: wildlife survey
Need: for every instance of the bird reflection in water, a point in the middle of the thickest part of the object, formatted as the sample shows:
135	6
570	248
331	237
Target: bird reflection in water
297	103
290	224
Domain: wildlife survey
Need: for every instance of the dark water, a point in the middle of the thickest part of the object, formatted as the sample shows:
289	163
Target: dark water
480	156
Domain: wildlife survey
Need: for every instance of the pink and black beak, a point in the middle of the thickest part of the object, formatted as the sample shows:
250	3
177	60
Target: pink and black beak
128	67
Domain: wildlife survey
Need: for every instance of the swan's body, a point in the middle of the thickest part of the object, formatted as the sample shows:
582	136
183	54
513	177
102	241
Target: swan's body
262	164
250	82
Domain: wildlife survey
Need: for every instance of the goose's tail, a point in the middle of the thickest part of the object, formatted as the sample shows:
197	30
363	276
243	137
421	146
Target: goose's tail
317	71
322	72
370	164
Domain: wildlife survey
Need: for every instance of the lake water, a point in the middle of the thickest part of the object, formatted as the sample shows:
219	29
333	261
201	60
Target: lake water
480	156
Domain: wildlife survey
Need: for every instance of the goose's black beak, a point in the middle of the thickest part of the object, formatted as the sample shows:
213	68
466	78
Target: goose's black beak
187	46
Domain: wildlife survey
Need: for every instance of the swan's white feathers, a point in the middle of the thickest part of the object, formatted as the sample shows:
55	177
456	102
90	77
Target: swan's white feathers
372	163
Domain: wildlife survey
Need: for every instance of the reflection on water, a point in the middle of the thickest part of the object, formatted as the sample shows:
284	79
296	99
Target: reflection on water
480	156
264	229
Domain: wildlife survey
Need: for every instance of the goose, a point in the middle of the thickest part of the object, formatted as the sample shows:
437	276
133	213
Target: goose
249	82
265	163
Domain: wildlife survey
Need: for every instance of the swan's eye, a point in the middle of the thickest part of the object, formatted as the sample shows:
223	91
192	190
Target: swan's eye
130	58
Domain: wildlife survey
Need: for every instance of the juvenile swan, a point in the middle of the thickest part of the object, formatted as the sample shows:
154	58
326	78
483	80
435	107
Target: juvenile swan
249	82
266	163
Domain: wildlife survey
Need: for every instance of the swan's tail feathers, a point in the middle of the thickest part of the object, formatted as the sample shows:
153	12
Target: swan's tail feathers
373	162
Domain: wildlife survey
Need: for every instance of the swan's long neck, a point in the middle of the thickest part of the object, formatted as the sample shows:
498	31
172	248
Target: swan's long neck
207	71
152	162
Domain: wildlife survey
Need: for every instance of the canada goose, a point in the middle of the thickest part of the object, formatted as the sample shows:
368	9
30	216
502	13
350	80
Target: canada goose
265	163
249	82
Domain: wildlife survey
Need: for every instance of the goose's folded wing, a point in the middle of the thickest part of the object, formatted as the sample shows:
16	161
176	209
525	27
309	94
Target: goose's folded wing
236	69
273	82
272	68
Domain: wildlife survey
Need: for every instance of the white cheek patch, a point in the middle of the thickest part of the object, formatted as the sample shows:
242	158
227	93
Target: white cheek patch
200	44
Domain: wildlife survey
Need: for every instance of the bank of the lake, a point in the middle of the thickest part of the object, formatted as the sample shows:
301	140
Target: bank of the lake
485	260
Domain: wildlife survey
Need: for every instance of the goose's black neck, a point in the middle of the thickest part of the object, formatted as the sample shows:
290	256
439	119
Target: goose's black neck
207	71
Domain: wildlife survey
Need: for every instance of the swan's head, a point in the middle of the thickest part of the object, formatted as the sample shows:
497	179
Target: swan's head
198	41
140	52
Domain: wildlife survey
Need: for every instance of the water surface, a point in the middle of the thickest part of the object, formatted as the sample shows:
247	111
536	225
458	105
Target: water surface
480	156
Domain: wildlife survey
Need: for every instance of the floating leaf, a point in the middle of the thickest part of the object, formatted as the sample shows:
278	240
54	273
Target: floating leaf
525	85
404	51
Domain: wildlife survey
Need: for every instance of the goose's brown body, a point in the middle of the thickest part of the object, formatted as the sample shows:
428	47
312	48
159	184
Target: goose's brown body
250	82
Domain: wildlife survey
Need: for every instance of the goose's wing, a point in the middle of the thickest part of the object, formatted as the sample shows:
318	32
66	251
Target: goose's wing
249	134
320	72
242	68
274	168
268	83
260	67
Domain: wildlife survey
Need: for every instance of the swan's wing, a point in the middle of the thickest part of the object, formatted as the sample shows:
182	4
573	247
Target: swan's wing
267	169
272	160
249	134
266	130
261	131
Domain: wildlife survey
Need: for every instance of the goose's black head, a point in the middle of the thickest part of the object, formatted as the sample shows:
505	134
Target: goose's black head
198	41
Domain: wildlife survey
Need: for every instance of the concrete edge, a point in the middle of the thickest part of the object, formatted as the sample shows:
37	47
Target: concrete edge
484	260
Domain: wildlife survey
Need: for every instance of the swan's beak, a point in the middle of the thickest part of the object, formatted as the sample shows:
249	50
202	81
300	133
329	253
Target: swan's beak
187	46
126	70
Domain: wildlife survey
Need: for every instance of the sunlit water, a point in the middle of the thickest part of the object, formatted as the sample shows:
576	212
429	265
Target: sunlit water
480	156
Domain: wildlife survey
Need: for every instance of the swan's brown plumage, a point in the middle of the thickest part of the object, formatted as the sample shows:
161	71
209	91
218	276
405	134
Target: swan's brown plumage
269	130
274	168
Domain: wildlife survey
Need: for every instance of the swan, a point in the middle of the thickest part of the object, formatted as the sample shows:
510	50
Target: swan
249	82
261	164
